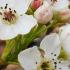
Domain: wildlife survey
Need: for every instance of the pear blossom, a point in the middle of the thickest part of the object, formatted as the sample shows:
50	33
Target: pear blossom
13	20
62	7
33	59
36	4
64	34
44	13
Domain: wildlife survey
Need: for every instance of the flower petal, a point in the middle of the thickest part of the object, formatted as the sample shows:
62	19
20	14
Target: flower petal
49	1
63	65
60	5
7	32
29	57
25	23
8	2
66	45
64	31
21	6
51	45
65	38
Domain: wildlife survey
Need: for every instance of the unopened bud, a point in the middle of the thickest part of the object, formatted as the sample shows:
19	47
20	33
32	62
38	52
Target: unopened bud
44	13
62	8
36	4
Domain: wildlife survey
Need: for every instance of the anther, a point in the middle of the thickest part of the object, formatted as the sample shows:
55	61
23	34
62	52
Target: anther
10	11
15	11
60	68
5	7
0	13
9	8
6	4
51	53
1	7
54	54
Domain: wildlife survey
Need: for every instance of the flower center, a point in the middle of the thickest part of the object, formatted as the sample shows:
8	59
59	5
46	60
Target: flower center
7	15
45	65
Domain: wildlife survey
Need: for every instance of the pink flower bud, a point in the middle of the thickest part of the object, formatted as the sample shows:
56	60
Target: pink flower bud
44	13
61	6
65	14
36	4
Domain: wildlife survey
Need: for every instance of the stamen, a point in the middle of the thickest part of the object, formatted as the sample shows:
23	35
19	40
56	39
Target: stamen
55	63
10	11
54	54
9	16
59	61
51	53
6	6
36	62
15	11
53	59
1	7
55	66
9	8
0	13
60	68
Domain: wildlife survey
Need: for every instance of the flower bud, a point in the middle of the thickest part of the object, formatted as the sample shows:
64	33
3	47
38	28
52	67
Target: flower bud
44	13
62	7
36	4
65	14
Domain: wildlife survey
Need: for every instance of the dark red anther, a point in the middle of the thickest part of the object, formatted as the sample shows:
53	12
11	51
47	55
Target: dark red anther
8	15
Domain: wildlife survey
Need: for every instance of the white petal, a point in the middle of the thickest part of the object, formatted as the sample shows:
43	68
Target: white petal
66	45
60	5
64	65
65	38
49	1
4	2
25	24
21	6
51	45
7	32
64	31
29	57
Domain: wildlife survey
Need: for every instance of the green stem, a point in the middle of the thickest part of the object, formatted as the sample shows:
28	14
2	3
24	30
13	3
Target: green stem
14	46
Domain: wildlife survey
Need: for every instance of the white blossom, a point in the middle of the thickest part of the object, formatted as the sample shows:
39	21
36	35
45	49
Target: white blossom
13	20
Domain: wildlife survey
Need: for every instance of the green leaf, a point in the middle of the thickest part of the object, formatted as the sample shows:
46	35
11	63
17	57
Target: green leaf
30	11
14	46
10	52
62	55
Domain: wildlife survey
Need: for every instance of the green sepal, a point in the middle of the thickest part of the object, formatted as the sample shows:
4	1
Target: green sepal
30	11
56	20
62	55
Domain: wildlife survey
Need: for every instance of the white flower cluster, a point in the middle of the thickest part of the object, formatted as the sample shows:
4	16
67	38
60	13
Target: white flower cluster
45	57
